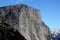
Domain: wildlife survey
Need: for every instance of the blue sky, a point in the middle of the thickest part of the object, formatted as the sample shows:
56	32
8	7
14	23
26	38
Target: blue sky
49	10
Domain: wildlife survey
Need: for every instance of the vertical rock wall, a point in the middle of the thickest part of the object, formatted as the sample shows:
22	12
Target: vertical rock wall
26	20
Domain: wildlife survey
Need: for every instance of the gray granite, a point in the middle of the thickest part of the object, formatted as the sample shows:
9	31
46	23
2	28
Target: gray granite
26	20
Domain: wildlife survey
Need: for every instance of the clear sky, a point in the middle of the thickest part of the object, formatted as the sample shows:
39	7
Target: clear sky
49	10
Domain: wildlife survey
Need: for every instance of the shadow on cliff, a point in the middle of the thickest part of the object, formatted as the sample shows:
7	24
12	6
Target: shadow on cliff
9	33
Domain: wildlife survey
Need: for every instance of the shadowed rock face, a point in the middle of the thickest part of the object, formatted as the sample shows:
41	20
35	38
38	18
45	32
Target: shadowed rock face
26	20
8	33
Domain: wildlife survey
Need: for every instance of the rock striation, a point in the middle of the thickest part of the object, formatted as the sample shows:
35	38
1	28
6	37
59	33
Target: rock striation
26	20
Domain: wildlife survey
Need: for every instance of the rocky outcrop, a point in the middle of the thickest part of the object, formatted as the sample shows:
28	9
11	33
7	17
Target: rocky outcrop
8	33
45	32
26	20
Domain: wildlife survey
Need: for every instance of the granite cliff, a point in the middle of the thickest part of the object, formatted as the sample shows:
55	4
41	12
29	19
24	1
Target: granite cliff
26	20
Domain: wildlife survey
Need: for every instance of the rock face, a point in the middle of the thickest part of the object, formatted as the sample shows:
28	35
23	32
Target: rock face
26	20
9	33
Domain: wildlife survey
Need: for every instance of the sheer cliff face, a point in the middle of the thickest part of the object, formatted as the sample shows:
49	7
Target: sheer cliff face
26	20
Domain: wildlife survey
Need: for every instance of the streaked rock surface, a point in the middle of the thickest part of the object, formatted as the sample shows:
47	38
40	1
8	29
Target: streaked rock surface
26	20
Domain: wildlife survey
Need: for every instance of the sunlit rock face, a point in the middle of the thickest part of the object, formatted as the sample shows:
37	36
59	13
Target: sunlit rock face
26	20
45	32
